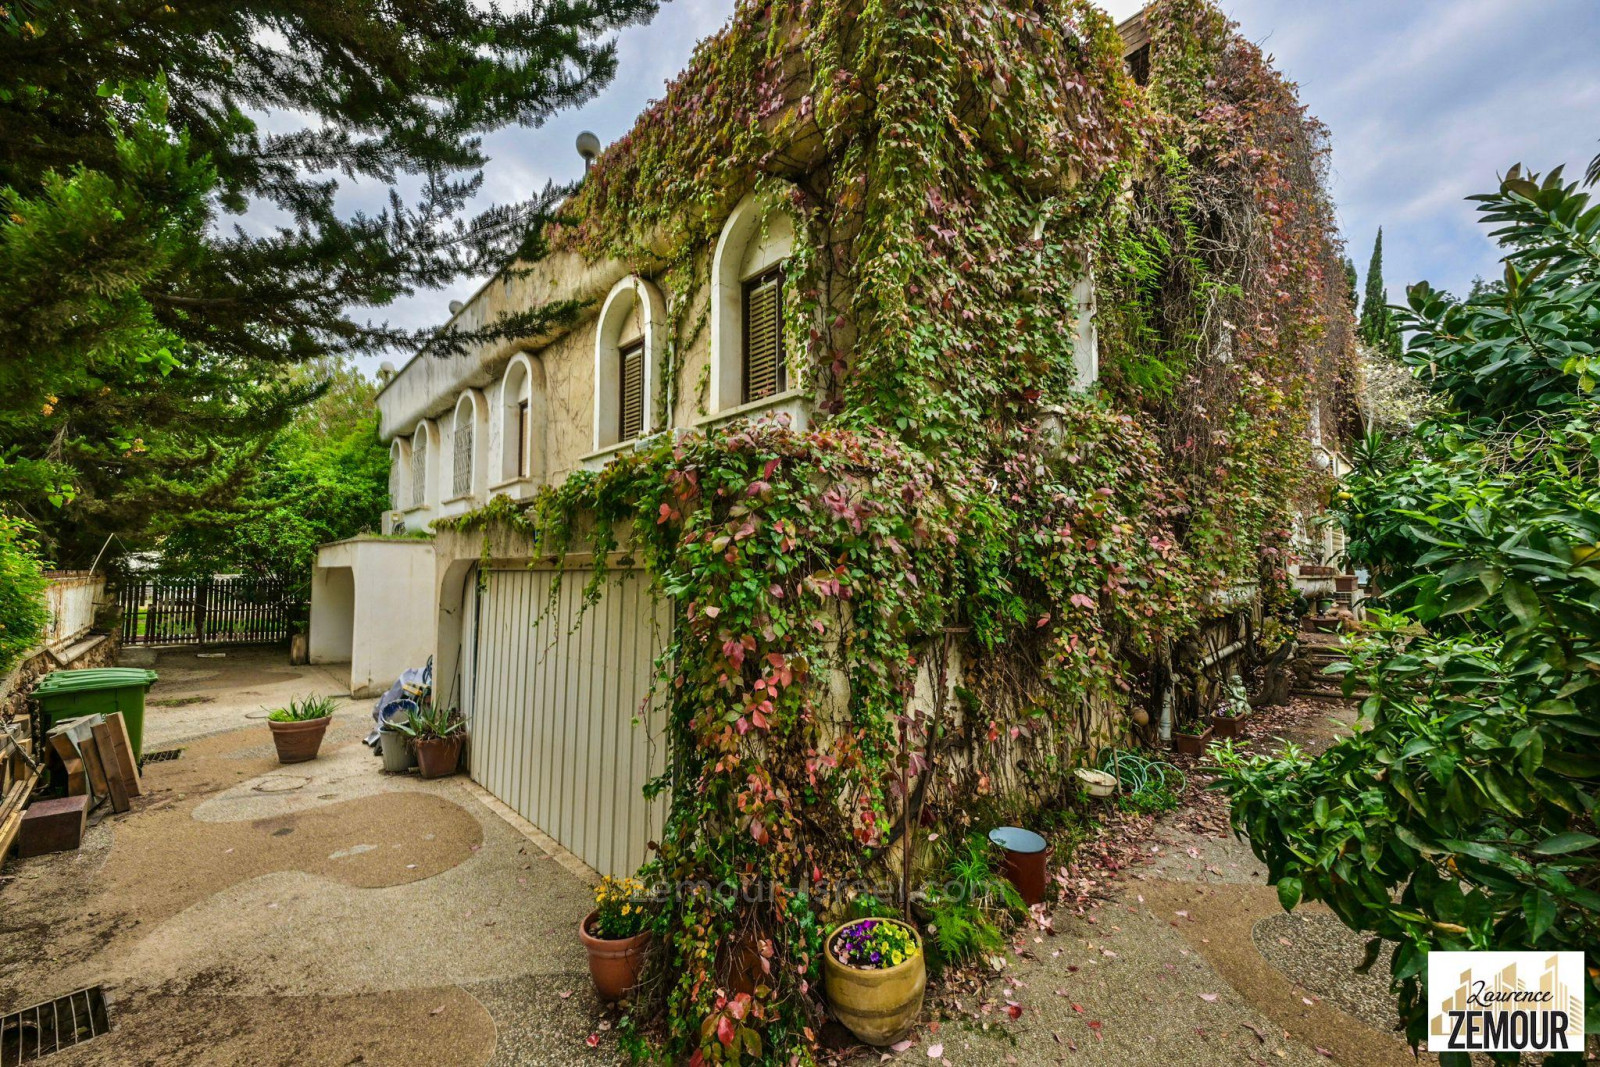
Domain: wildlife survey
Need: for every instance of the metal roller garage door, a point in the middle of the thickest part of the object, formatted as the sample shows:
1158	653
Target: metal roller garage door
554	696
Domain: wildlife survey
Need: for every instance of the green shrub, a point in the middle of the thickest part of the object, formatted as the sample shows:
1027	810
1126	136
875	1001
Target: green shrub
24	613
1462	815
969	906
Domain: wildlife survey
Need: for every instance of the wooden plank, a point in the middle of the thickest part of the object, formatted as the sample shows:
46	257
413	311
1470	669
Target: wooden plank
98	783
8	833
105	749
122	751
15	796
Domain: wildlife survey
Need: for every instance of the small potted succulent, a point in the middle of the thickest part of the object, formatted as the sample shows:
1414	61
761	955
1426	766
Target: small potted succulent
297	728
874	976
615	936
1228	719
436	733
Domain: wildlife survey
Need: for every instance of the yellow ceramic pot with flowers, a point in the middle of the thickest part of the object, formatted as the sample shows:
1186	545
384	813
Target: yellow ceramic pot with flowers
615	936
874	976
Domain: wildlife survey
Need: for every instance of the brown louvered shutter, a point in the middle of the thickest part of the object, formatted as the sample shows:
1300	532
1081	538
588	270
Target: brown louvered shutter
522	439
764	371
631	410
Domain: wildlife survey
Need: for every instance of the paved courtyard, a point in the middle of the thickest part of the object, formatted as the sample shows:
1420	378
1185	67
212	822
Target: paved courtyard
325	913
247	912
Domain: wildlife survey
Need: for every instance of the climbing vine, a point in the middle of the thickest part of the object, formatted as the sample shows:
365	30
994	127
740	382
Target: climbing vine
957	174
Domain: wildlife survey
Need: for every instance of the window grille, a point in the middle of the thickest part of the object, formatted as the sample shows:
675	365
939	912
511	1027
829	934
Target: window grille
630	410
461	483
522	439
419	469
764	371
1139	65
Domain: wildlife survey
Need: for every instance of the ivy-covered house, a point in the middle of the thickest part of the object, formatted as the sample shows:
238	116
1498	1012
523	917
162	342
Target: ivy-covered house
988	345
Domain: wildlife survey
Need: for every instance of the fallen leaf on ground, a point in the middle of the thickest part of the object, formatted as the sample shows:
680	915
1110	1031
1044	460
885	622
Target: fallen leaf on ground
593	1041
1208	997
437	1011
565	993
935	1051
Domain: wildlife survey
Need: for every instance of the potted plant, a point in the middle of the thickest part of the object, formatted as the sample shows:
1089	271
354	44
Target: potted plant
297	728
1191	742
615	937
874	975
1228	719
436	734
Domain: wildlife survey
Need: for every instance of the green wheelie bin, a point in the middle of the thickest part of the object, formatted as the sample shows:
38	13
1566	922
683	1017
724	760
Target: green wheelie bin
66	695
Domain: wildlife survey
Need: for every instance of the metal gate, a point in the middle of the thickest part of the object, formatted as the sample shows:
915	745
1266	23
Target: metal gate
206	611
555	697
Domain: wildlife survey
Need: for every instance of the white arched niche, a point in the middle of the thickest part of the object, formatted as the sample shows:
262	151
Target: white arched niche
424	464
757	237
631	323
469	426
521	420
399	474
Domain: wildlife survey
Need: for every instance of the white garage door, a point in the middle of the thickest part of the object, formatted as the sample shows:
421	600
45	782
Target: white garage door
557	731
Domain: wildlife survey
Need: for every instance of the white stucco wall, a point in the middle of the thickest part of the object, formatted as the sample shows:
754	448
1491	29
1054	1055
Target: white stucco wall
381	618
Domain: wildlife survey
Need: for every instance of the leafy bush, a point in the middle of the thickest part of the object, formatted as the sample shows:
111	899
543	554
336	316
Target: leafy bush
23	611
970	906
304	710
1463	815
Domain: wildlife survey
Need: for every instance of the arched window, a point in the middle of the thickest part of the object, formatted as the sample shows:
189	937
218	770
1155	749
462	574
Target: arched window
627	339
748	358
419	466
399	474
520	420
466	443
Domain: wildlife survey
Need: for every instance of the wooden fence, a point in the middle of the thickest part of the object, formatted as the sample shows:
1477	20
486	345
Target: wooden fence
205	611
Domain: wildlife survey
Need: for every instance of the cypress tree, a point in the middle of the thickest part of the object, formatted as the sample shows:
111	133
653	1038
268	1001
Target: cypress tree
1377	326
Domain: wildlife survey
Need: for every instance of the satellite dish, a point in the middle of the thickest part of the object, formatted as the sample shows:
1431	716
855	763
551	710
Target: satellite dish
456	306
588	148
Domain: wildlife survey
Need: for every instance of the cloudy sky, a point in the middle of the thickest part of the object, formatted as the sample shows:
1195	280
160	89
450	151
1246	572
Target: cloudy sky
1427	100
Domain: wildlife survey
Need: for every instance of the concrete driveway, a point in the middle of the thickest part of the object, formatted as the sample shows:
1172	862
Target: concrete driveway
246	912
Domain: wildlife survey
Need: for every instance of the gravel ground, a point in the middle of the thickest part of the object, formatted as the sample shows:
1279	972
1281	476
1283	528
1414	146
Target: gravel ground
1318	952
326	913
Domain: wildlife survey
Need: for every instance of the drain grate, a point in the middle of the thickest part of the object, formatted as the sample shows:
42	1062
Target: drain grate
36	1032
164	756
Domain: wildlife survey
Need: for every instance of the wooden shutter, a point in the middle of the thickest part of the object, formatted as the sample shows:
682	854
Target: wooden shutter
764	371
522	439
630	411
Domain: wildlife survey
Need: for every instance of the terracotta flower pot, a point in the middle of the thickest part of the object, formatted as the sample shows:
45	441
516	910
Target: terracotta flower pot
1227	726
438	757
614	964
1345	583
879	1006
298	741
1192	744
